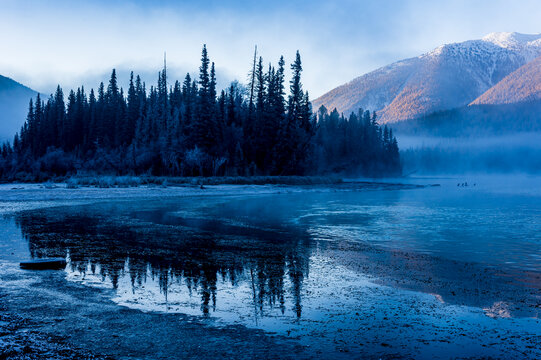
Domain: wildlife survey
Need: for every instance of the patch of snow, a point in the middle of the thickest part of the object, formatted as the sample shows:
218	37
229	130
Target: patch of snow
511	39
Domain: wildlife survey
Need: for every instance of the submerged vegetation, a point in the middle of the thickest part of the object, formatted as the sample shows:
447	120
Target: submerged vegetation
189	129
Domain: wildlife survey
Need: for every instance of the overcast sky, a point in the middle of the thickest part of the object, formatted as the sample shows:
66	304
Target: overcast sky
43	43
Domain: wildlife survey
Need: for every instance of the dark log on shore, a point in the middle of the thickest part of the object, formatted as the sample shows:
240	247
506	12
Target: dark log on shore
44	264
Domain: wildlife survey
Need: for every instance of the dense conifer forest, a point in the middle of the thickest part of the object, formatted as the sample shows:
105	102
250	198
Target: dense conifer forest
189	129
477	121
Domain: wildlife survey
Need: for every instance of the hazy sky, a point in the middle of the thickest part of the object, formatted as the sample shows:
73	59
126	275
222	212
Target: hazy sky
43	43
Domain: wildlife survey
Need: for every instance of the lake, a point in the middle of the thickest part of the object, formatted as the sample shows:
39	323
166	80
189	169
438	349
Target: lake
353	270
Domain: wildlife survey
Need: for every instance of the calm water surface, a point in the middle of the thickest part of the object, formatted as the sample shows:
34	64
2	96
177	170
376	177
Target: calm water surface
353	267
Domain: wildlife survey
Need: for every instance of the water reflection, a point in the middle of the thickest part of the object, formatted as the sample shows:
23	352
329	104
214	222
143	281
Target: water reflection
355	271
253	255
183	257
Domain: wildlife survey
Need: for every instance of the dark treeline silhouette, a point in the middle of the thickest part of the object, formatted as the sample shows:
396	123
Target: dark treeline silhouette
188	129
500	138
355	144
476	121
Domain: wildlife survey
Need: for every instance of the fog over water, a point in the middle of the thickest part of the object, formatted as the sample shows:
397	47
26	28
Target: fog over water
509	153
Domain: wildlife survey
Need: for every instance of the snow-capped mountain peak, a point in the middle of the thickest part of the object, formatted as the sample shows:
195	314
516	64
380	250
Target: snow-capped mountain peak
525	45
512	40
449	76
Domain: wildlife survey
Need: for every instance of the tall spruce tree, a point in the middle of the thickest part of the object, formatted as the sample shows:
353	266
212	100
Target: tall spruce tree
186	129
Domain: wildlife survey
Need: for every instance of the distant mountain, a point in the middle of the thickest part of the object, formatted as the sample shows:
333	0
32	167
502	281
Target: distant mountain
14	98
522	85
450	76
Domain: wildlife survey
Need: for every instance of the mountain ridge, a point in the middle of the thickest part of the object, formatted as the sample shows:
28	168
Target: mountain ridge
14	99
450	76
522	85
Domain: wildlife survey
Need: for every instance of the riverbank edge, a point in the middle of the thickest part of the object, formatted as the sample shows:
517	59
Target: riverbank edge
105	181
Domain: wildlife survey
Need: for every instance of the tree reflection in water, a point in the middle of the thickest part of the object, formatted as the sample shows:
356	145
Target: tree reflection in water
112	242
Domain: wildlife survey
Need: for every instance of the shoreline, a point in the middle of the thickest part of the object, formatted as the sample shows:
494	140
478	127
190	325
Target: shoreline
17	197
139	180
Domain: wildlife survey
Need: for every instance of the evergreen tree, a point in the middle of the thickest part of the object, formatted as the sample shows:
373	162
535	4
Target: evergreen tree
132	113
202	127
58	117
37	140
186	129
